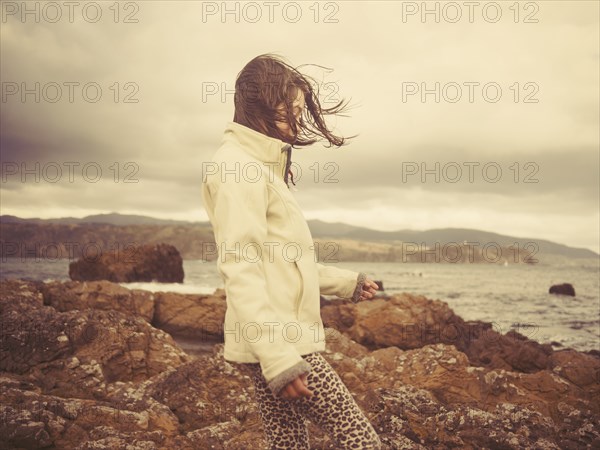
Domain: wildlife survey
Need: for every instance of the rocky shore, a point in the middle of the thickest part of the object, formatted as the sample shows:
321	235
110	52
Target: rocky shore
93	365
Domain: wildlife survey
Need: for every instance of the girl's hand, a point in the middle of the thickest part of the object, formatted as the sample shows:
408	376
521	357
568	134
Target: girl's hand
296	388
369	289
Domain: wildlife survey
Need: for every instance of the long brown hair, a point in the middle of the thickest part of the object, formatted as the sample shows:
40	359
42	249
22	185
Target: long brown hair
268	81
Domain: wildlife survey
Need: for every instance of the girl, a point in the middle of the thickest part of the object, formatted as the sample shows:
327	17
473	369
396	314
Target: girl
273	326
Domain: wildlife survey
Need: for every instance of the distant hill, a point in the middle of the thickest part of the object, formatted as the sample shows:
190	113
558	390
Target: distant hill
109	218
322	229
190	238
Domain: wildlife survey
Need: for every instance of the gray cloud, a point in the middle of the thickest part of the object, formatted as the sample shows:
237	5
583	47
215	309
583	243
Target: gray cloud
172	58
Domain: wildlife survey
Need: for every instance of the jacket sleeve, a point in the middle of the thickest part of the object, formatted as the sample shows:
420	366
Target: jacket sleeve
239	211
341	282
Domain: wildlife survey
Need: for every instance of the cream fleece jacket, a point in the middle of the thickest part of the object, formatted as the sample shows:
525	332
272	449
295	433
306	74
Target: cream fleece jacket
266	258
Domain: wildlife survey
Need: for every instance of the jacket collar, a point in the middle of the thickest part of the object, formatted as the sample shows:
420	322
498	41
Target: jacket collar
262	147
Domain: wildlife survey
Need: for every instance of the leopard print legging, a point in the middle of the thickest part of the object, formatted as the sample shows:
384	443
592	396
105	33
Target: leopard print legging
331	407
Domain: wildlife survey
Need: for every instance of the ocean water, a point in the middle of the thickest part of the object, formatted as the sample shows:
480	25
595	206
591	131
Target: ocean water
510	297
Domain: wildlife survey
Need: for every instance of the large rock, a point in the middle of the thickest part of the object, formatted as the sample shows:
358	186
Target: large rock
411	321
126	419
160	262
77	353
432	397
105	295
562	289
191	315
75	379
197	316
139	391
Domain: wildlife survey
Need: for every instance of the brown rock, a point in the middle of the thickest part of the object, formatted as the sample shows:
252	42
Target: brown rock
103	295
432	396
579	368
196	316
411	321
161	263
76	353
511	351
32	419
562	289
140	392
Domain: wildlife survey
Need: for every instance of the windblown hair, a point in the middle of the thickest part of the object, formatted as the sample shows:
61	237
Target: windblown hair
268	81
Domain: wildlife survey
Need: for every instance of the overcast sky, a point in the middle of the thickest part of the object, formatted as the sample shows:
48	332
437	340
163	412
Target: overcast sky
165	72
